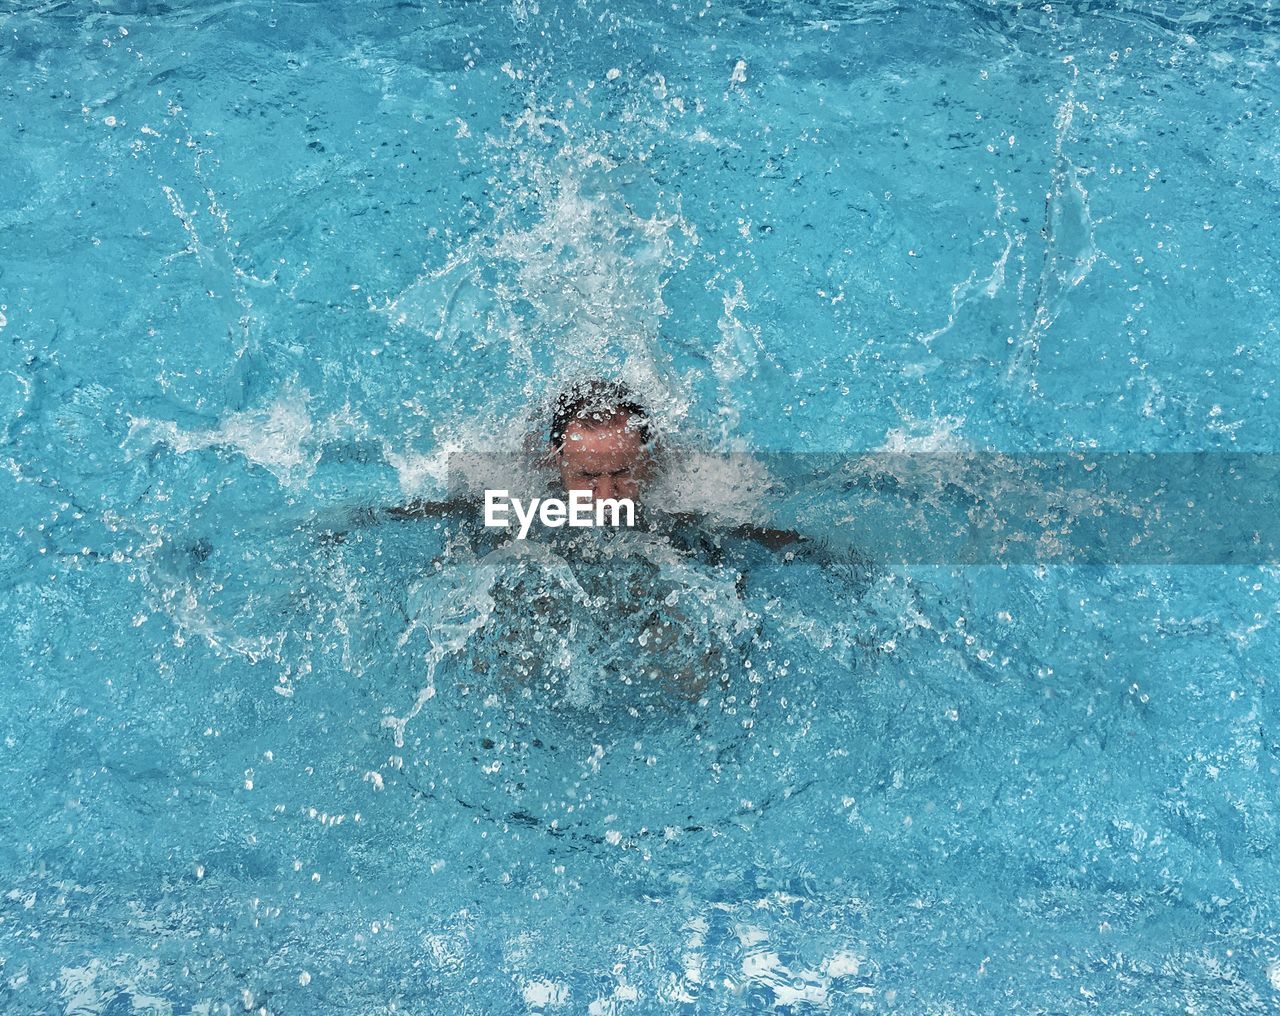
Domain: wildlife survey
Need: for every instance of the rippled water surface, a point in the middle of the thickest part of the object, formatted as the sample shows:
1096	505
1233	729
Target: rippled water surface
265	266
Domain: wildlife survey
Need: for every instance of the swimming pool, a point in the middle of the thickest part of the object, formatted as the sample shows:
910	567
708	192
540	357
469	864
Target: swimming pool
266	264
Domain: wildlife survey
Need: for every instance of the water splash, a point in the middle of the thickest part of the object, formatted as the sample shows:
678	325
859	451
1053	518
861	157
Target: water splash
975	285
1070	251
621	619
566	278
735	357
278	437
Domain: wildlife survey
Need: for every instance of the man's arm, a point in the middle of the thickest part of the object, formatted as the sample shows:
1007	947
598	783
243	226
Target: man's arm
359	518
790	544
794	546
773	539
420	509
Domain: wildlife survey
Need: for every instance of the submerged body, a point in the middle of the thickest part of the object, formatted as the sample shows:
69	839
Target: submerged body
639	616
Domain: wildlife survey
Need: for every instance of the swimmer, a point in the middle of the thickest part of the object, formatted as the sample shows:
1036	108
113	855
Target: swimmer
601	441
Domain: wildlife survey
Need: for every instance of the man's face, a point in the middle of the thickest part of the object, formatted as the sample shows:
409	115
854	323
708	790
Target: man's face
606	457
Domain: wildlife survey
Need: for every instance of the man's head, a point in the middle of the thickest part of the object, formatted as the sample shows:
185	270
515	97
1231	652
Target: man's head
600	439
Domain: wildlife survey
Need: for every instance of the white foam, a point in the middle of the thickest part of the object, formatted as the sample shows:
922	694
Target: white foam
842	963
542	993
789	986
931	436
276	437
421	475
582	272
724	488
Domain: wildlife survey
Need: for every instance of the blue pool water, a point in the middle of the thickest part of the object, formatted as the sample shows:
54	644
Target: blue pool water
263	264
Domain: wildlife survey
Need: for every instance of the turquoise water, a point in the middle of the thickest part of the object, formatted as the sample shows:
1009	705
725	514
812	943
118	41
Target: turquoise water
265	264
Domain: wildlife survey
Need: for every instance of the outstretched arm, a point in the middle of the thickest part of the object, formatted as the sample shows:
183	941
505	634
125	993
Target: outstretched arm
773	539
336	530
797	546
420	509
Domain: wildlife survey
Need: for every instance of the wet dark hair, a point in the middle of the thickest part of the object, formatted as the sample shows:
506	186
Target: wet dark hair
596	401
